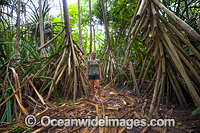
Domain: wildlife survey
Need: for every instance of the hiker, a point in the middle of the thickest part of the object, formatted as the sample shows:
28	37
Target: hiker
94	74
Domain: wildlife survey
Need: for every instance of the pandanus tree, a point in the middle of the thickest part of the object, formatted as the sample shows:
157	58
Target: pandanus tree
38	25
68	73
168	40
108	68
7	58
63	64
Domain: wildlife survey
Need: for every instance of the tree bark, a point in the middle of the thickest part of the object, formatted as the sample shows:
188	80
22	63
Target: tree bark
198	21
156	90
66	18
41	23
134	80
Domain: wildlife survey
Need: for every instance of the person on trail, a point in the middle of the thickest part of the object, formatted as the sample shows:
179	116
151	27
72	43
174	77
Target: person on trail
94	74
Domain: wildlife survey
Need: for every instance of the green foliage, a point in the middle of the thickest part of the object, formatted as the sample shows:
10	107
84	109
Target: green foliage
84	10
19	129
185	9
34	15
119	15
7	112
73	15
6	52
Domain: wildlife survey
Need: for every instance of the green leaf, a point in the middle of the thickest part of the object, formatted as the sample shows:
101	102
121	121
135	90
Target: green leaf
1	99
196	111
8	105
43	86
32	52
7	113
3	117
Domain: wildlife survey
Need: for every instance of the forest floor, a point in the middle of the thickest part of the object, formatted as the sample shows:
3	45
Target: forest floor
185	123
117	104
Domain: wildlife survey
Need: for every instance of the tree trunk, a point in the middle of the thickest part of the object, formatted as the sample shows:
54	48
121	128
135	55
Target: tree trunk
18	26
90	26
108	62
41	24
79	23
66	17
198	21
105	23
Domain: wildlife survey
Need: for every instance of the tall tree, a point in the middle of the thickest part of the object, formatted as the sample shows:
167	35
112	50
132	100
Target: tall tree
18	26
69	64
90	26
108	62
79	22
